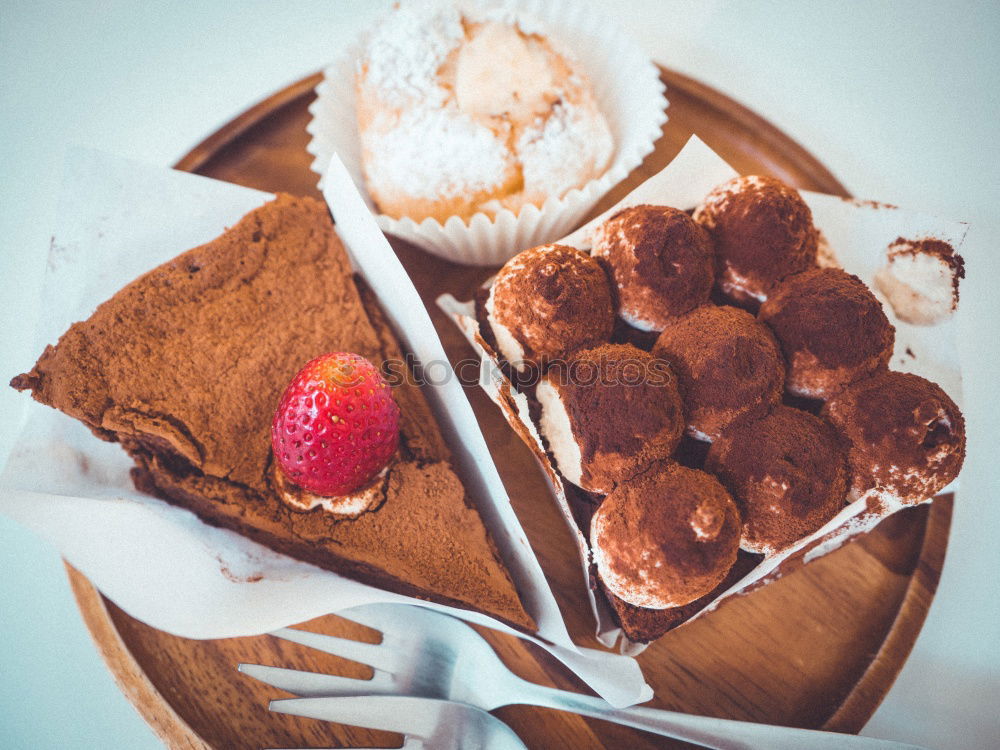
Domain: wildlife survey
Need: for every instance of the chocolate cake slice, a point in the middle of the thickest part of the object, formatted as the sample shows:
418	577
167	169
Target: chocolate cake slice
185	366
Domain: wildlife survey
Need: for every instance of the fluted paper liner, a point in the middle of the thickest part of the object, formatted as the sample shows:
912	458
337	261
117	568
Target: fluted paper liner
629	93
161	564
858	233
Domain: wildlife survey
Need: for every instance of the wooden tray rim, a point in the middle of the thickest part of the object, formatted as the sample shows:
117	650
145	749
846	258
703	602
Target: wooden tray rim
854	710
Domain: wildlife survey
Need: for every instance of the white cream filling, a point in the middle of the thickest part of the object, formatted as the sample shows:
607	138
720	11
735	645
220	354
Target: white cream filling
620	586
757	549
698	434
507	343
890	492
350	505
919	286
556	428
632	318
734	282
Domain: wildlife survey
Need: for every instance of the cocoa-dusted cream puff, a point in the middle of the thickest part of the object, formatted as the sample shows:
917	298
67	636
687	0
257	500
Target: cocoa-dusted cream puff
763	231
787	473
727	366
906	437
831	328
608	414
666	538
661	261
547	302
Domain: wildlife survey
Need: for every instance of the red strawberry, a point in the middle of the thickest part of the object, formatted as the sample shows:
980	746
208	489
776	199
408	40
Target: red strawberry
336	426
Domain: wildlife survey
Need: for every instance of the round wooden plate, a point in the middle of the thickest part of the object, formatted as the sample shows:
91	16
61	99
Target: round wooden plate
818	648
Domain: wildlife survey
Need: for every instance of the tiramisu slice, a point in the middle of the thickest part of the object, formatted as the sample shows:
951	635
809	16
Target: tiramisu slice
665	539
610	414
662	263
546	303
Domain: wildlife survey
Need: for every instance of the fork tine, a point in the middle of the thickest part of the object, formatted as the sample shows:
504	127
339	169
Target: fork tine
410	743
371	654
308	684
393	713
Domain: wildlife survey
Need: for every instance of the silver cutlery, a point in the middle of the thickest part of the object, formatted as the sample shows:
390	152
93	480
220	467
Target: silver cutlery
426	723
428	654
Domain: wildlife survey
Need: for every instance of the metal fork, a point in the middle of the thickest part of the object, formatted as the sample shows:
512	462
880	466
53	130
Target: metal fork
437	724
432	655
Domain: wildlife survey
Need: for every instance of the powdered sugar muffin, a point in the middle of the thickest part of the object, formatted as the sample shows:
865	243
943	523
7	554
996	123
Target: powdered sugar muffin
468	109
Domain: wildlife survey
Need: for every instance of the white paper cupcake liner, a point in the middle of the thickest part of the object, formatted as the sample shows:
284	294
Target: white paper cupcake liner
629	92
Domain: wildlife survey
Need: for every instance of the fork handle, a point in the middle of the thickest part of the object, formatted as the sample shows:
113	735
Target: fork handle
720	734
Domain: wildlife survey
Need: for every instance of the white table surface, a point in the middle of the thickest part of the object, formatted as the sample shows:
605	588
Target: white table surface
899	99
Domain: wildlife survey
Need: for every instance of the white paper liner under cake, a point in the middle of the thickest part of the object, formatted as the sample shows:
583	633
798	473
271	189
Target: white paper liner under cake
858	233
161	564
629	93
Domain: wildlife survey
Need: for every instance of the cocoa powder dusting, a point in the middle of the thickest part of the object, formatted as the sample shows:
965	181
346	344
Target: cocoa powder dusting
762	229
555	300
727	365
905	434
787	473
831	314
650	539
936	248
185	365
623	407
661	260
643	625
